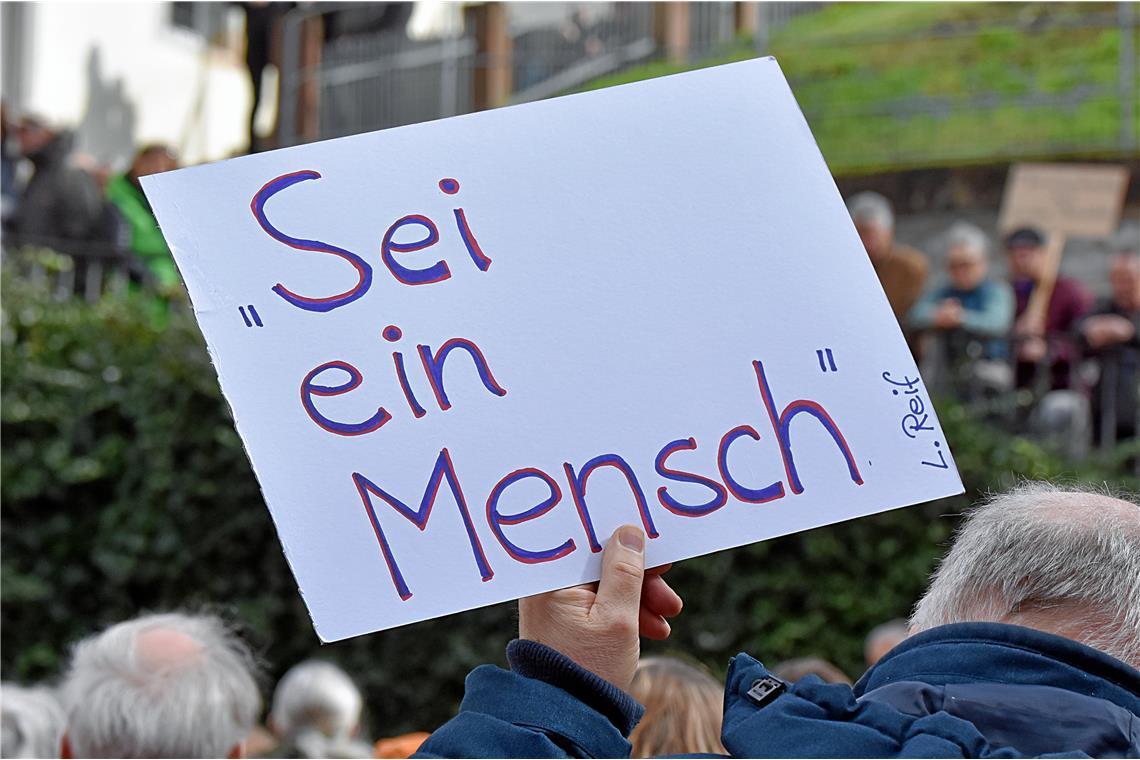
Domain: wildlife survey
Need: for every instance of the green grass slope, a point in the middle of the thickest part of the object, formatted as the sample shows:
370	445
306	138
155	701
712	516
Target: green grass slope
900	85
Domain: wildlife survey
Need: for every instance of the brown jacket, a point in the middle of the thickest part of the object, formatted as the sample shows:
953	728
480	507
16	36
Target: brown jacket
903	276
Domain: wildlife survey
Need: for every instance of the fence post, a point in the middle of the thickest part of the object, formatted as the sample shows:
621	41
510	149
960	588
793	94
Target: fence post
309	91
492	80
672	26
747	16
1128	78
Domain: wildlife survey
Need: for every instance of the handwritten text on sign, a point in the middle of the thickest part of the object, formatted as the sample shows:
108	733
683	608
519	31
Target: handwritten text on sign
523	328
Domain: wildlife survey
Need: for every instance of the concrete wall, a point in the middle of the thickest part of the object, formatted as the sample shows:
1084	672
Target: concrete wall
122	74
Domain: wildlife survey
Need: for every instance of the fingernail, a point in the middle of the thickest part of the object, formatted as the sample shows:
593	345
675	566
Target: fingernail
631	537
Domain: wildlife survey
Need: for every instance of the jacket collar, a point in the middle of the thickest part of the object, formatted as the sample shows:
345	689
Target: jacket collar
1008	654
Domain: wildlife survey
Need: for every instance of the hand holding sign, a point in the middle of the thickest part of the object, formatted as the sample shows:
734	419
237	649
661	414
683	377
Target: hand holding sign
484	343
598	625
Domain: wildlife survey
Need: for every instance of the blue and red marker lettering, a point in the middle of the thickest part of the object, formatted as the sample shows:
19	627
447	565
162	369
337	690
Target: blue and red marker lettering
450	186
496	519
749	495
719	498
328	303
578	491
437	272
309	388
781	424
444	468
433	366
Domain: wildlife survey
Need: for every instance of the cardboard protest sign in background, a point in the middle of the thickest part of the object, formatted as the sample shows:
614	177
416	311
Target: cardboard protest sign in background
460	354
1083	200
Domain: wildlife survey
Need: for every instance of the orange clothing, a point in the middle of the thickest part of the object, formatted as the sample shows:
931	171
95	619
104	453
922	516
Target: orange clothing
902	274
399	746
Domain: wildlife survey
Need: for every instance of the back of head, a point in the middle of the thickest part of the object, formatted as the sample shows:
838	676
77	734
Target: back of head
167	685
883	638
801	667
316	709
31	722
683	709
1059	560
871	208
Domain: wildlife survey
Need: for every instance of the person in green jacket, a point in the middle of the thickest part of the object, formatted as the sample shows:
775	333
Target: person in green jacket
146	240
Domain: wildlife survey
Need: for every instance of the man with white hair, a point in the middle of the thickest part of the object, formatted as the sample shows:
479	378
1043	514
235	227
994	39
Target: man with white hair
31	722
1026	643
316	712
901	269
168	685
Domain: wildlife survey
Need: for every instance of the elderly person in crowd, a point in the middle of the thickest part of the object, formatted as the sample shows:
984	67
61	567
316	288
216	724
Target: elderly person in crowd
901	269
316	712
1111	333
965	320
31	722
1026	642
168	685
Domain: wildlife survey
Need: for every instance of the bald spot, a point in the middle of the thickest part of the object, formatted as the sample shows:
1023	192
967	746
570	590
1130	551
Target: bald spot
166	649
1081	509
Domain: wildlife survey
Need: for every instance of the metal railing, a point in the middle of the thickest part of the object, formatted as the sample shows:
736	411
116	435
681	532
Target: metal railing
559	57
382	79
73	269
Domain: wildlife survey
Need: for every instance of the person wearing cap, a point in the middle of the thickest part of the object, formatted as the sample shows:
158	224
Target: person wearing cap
901	269
1050	345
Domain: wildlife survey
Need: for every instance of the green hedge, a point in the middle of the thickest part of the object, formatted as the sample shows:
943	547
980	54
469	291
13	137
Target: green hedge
126	489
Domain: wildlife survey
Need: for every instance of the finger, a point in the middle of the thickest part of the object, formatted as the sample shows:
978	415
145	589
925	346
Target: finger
652	626
623	571
660	569
659	598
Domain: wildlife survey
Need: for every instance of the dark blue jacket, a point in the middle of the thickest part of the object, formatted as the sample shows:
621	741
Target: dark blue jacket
963	690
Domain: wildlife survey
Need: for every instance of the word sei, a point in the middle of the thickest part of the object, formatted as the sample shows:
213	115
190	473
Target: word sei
725	484
390	246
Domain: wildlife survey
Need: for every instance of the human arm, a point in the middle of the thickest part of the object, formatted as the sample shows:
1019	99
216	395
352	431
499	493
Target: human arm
578	649
995	318
921	317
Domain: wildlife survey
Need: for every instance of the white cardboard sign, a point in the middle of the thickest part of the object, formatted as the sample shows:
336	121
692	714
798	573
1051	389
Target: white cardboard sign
460	354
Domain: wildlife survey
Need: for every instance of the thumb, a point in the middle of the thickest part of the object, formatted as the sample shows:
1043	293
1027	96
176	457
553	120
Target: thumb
623	570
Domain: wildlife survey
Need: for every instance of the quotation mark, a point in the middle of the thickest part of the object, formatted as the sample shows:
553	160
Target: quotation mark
252	313
819	354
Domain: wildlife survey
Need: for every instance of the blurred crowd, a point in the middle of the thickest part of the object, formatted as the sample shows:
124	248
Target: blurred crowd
55	197
1070	362
1035	345
181	685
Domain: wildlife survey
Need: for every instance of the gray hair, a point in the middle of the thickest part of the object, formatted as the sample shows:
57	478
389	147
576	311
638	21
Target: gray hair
871	207
1042	549
31	722
316	707
123	702
969	237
